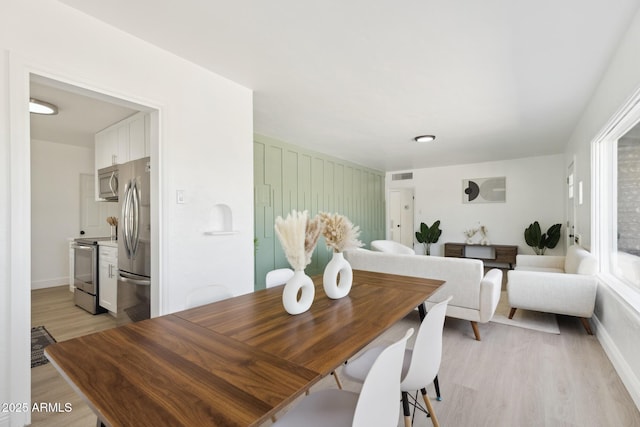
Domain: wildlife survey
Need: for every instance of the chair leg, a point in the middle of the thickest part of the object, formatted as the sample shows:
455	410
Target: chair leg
512	312
335	376
476	331
405	409
422	311
436	384
432	413
587	326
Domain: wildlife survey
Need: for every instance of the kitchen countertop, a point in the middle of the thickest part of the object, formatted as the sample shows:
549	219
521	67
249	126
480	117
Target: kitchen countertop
110	243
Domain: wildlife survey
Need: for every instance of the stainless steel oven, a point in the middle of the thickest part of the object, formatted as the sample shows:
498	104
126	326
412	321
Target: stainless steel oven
85	269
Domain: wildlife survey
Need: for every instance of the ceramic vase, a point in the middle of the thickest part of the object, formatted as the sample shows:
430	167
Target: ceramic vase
337	267
302	285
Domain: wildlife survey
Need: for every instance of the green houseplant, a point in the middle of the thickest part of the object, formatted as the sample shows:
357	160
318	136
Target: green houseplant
428	235
540	241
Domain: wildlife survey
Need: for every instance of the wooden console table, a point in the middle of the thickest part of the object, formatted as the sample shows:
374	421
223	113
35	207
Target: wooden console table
496	253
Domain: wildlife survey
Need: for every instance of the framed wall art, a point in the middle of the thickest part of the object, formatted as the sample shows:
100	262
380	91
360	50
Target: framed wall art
484	190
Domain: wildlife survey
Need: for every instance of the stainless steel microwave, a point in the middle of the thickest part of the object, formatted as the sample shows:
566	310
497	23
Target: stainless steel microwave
108	183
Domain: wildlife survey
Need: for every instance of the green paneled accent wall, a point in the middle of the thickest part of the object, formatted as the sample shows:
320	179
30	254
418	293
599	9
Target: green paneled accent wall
287	177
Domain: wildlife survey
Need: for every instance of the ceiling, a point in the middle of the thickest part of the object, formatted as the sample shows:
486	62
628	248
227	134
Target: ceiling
359	79
81	113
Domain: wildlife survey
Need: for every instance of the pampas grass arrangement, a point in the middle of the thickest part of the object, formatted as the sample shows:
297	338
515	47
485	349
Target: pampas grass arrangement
339	233
298	236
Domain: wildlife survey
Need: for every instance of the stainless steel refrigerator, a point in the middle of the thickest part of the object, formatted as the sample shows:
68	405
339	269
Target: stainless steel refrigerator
134	242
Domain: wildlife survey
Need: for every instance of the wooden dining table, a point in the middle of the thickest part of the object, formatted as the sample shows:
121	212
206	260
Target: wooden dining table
235	362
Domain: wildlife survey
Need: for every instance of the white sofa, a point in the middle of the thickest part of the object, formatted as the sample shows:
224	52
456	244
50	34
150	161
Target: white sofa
475	295
392	247
555	284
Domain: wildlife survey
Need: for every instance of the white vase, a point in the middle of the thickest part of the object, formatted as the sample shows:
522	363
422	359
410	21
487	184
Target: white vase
333	287
300	284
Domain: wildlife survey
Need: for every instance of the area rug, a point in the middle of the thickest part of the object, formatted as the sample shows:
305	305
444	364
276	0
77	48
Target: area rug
528	319
40	338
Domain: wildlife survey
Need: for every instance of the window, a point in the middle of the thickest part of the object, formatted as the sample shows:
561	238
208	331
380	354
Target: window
616	207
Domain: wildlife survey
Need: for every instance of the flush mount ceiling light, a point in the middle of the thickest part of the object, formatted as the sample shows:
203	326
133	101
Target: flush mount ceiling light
40	107
424	138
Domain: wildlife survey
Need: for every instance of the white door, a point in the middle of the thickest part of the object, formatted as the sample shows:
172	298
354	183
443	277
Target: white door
572	192
93	215
401	216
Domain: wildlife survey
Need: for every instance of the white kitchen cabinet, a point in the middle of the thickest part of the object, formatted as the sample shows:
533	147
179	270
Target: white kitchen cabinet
147	135
122	142
106	148
108	277
137	138
71	264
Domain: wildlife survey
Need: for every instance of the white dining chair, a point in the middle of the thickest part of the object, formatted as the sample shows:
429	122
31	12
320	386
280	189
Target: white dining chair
421	364
375	405
278	277
207	295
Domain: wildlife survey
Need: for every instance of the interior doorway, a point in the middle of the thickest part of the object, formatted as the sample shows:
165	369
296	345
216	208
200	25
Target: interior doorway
401	216
82	113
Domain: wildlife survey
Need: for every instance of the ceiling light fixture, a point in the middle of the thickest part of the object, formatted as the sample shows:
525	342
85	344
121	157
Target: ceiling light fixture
424	138
40	107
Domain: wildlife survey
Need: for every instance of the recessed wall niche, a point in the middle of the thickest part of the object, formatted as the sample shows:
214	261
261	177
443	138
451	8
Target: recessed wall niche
220	221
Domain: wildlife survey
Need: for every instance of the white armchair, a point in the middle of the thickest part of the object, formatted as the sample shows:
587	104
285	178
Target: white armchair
555	284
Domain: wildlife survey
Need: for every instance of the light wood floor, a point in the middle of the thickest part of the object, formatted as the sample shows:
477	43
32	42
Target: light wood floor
54	309
513	377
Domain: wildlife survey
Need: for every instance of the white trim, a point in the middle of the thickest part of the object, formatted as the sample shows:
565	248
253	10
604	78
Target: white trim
603	232
611	128
20	238
20	70
627	293
50	283
626	374
604	197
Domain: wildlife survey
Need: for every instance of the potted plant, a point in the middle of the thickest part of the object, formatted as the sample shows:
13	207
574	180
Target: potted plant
428	235
541	241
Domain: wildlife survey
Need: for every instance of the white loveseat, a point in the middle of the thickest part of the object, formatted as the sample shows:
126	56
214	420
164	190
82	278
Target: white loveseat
555	284
475	295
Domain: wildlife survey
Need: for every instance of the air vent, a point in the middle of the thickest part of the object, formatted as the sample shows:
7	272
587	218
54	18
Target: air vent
402	176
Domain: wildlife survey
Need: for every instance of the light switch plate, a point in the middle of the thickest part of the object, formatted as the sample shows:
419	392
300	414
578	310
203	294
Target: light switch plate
179	196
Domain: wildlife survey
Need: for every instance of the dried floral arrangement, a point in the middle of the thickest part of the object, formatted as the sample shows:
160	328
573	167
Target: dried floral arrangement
470	233
339	233
298	235
484	240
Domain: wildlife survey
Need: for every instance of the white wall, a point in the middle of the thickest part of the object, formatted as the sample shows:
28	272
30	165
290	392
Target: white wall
616	321
535	188
55	208
205	149
5	249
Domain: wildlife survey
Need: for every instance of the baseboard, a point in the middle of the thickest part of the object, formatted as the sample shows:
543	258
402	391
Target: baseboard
50	283
9	419
629	379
